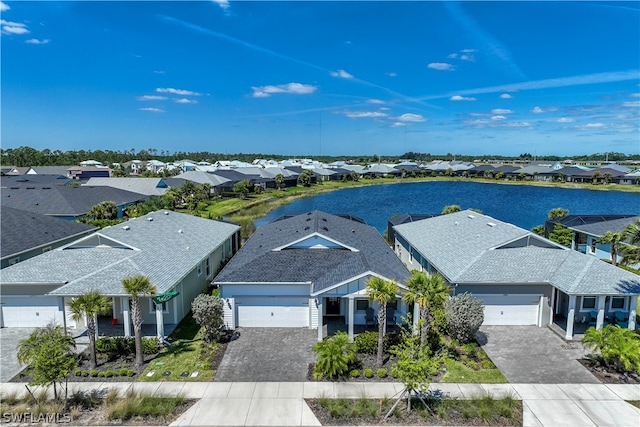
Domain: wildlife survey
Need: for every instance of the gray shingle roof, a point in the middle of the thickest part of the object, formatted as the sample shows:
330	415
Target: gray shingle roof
165	249
258	262
468	250
22	231
602	227
146	186
64	200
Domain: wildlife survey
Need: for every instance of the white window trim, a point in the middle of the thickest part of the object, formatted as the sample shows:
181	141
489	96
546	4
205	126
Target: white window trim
595	305
623	308
207	265
199	269
593	247
152	307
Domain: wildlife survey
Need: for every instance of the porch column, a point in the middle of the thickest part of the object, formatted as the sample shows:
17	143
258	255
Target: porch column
126	319
159	323
351	317
64	313
633	304
600	320
416	318
320	327
570	317
95	322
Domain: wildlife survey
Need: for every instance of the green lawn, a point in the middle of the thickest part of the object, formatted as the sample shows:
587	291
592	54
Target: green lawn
458	373
187	354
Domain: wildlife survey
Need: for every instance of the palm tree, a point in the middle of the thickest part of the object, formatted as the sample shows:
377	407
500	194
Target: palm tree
426	290
89	305
632	232
138	286
615	239
383	292
279	180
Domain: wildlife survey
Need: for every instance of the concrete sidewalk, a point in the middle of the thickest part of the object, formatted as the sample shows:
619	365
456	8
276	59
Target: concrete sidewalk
282	403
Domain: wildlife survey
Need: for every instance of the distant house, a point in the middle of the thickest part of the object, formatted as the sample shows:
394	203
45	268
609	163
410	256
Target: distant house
308	270
631	178
178	252
86	172
49	170
218	183
521	278
27	234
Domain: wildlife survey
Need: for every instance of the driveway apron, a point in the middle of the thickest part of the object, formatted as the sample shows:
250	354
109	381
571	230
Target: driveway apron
268	354
9	338
528	354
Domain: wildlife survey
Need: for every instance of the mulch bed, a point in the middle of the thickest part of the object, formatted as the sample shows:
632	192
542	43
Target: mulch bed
413	418
609	376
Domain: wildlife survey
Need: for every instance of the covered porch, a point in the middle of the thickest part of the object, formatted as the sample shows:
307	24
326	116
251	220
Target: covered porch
575	313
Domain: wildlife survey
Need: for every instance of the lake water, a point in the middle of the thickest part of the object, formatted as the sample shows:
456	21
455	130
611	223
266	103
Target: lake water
522	205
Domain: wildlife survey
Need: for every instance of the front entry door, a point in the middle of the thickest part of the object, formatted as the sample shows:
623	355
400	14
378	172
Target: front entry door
333	306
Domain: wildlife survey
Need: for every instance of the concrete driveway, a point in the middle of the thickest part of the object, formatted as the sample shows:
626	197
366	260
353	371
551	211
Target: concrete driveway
528	354
9	338
268	354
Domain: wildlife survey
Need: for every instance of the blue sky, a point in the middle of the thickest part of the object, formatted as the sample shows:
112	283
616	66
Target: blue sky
331	78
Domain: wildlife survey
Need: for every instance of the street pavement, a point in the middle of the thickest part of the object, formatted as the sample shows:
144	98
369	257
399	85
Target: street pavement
282	403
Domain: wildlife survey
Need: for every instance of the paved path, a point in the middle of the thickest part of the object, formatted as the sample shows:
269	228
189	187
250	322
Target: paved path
9	338
268	354
529	354
282	403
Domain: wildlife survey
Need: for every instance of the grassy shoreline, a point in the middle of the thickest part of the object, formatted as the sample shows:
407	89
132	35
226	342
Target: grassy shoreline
246	211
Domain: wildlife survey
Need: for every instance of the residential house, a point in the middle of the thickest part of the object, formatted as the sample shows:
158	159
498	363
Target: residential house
49	170
64	201
179	253
27	234
631	178
86	172
144	186
521	278
307	270
218	183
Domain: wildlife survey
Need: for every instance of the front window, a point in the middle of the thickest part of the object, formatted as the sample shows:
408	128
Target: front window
618	303
152	307
588	303
592	248
207	267
362	304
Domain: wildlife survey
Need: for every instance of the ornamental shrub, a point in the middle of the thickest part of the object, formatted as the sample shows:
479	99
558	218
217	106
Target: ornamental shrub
124	372
149	345
354	373
465	314
93	373
101	374
381	373
367	342
368	373
333	356
208	312
109	374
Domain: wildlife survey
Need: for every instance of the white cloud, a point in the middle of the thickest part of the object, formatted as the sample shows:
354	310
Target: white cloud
151	98
540	110
224	4
185	101
341	74
294	88
498	118
564	120
452	55
158	71
441	66
467	57
462	98
152	110
468	50
173	91
37	41
501	111
9	27
364	114
506	96
4	7
392	74
594	126
635	95
398	124
409	117
516	125
375	101
631	104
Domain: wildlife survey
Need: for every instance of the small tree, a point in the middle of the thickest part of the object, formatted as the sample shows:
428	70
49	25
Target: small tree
618	347
451	209
614	239
465	314
354	176
539	230
383	292
415	364
562	235
89	305
304	178
136	287
242	187
333	356
49	351
557	213
208	312
279	179
429	291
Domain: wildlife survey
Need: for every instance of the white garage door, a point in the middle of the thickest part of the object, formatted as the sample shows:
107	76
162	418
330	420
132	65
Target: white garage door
510	309
265	312
32	311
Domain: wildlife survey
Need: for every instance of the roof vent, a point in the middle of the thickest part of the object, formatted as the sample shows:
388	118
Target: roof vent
491	224
470	216
456	223
126	227
149	219
325	228
180	231
166	212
